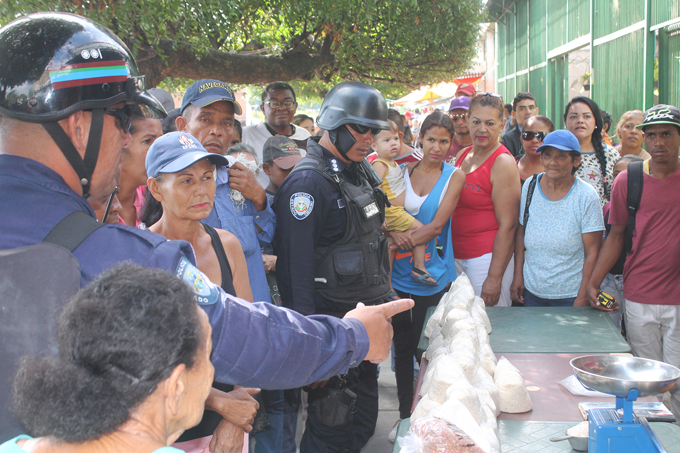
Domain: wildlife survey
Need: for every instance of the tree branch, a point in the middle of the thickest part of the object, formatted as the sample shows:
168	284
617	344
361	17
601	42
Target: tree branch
180	59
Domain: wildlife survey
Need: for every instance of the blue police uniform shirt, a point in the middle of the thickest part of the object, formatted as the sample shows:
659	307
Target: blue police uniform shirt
301	228
242	222
256	345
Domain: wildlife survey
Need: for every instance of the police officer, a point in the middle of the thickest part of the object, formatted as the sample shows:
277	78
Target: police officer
66	87
331	250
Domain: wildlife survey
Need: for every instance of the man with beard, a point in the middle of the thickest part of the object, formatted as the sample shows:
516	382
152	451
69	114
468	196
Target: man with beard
458	111
279	107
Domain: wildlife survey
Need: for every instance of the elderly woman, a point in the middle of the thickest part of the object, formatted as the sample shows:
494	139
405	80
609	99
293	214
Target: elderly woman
583	119
182	185
432	191
133	369
560	229
484	223
534	131
630	137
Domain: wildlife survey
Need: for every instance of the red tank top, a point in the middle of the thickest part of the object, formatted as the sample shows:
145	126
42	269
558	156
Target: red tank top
474	224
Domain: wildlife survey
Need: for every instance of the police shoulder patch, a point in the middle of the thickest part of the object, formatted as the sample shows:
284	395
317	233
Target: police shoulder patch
301	205
205	291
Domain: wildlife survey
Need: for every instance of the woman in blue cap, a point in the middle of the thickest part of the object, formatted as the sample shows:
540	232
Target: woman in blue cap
182	184
560	229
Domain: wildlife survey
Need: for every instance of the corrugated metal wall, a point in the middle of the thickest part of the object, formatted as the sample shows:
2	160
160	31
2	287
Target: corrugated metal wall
617	62
578	12
664	10
611	16
619	80
669	60
557	23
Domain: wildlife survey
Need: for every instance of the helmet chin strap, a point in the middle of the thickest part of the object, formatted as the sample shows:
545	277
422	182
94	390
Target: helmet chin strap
84	167
343	140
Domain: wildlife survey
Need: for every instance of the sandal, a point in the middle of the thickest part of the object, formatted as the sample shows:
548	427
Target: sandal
422	276
392	295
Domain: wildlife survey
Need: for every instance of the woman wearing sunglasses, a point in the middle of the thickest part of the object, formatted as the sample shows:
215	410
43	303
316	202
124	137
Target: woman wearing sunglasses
560	232
535	130
485	221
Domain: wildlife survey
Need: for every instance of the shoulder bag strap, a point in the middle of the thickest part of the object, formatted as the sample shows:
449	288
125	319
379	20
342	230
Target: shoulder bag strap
73	230
530	195
635	180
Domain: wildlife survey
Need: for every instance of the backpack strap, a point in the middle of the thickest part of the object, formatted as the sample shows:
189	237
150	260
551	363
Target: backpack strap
530	195
635	180
73	230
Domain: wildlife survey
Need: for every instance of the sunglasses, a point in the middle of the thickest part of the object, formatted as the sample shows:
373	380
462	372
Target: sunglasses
123	116
458	116
493	95
528	136
364	129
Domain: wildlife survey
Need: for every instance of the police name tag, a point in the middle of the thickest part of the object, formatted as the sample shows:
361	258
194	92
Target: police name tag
301	205
204	290
371	209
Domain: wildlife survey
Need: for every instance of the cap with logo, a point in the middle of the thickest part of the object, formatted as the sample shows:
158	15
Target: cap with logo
206	91
466	89
282	150
561	139
660	114
176	151
462	102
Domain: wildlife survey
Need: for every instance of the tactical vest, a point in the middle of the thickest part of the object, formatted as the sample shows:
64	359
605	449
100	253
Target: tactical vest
355	268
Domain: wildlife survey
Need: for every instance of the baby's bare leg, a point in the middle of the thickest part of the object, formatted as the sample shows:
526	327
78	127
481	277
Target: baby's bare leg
419	252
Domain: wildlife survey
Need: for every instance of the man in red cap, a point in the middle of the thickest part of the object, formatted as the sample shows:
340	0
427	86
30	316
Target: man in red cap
465	89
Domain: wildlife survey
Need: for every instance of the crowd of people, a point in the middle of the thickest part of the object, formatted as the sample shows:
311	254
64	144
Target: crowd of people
280	229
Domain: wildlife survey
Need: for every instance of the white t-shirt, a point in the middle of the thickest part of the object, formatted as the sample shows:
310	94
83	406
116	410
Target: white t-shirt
256	135
554	257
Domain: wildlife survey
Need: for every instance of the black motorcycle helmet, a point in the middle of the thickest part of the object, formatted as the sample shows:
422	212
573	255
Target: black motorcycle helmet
55	64
352	103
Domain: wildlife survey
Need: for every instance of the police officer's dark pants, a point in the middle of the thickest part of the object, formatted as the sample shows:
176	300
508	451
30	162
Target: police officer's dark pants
407	328
291	406
353	435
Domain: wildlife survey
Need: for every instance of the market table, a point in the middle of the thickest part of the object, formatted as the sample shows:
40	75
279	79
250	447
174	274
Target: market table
524	436
570	330
542	374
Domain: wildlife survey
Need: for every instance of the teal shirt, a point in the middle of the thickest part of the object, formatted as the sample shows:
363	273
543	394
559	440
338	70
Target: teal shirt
11	446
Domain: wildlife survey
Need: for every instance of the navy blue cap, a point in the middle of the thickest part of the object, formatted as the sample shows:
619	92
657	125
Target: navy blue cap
205	92
561	139
176	151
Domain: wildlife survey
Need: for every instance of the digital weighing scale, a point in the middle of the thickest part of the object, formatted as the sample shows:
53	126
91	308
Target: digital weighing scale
627	378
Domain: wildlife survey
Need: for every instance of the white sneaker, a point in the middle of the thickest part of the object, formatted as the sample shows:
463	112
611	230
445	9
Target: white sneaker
393	434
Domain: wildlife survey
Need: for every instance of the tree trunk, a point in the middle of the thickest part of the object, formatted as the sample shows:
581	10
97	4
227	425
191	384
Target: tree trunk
183	60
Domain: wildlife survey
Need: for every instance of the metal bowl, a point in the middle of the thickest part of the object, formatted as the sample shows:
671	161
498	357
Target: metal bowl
617	375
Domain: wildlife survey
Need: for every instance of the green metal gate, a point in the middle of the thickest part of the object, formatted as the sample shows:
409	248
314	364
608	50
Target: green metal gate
669	65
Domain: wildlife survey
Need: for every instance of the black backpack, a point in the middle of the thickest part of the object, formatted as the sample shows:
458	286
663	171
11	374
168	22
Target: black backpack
36	281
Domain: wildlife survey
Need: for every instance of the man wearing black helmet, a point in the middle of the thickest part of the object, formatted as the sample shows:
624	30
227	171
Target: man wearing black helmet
66	84
331	251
